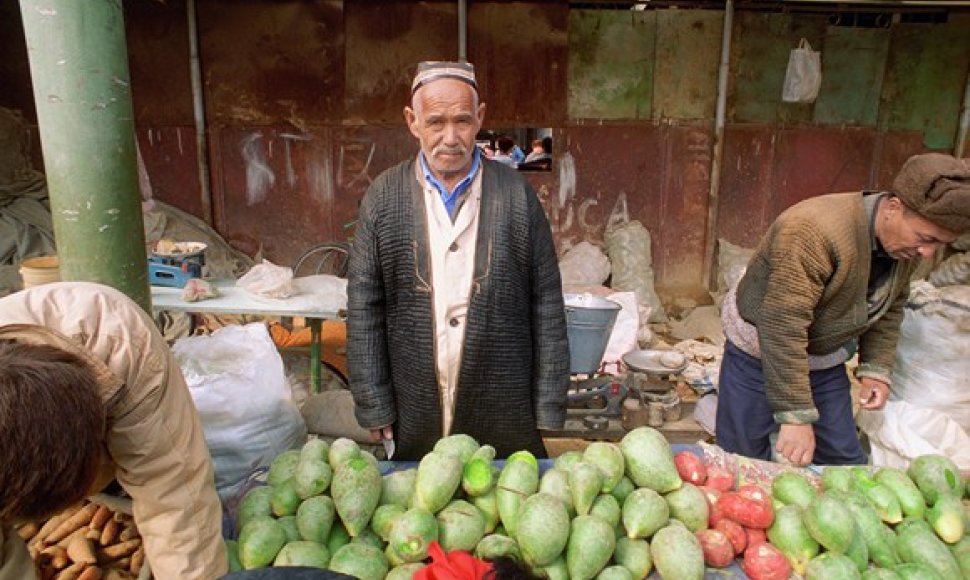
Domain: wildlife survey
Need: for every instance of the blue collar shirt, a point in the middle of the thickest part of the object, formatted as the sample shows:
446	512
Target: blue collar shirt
450	198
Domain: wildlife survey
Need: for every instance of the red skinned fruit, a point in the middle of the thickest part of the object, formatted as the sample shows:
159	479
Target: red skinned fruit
746	510
765	562
690	468
755	536
718	551
735	533
720	478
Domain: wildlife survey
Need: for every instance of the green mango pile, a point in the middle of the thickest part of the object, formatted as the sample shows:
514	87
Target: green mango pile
881	524
613	511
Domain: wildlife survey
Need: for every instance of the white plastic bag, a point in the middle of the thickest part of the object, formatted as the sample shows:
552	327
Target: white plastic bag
248	415
929	408
268	280
804	75
628	245
584	265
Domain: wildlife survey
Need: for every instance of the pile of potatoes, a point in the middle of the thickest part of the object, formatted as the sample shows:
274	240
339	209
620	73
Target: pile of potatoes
89	541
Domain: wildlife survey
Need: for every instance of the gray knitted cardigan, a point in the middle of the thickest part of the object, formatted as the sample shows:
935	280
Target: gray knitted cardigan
515	357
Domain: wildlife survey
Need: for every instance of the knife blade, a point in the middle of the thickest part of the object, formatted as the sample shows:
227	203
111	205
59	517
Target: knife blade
389	448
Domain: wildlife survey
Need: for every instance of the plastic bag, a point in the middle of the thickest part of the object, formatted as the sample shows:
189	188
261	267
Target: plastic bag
236	378
953	271
584	265
929	407
732	261
268	280
804	75
628	246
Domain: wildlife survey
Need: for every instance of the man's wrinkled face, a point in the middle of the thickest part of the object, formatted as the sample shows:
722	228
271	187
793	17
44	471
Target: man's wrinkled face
445	116
906	235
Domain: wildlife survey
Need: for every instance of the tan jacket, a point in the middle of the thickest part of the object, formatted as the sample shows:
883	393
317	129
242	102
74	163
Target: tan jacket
153	433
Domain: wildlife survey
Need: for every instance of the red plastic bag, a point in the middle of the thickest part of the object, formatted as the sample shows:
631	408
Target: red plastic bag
453	566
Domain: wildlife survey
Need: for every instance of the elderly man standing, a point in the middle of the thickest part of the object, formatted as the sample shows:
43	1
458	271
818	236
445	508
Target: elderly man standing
456	319
828	279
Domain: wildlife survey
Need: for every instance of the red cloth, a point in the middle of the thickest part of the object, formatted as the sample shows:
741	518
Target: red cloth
452	566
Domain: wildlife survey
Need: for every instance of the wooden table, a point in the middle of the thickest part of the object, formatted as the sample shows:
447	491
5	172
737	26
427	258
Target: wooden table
235	300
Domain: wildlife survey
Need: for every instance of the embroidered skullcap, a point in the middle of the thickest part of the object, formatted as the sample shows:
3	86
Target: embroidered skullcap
433	70
937	187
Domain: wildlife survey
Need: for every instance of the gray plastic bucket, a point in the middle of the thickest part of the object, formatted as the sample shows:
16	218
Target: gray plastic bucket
589	323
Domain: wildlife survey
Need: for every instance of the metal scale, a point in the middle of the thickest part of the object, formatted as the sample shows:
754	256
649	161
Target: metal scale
175	263
653	398
595	397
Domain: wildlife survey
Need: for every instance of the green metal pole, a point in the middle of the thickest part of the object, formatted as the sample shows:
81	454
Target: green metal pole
79	68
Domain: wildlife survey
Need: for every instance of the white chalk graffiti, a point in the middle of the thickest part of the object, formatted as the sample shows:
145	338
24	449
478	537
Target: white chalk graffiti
348	158
259	177
287	139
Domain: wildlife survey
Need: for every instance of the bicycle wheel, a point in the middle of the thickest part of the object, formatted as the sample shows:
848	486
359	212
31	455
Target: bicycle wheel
326	258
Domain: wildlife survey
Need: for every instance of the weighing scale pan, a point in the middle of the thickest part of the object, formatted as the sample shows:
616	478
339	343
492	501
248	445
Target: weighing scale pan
658	362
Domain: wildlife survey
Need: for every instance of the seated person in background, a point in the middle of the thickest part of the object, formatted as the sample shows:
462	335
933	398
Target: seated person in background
504	154
538	152
517	153
541	155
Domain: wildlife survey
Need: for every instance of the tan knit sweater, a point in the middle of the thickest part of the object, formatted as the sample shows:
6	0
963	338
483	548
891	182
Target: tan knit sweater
805	291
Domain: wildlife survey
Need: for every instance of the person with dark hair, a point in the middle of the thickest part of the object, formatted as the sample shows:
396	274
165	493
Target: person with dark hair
505	145
829	279
90	392
456	319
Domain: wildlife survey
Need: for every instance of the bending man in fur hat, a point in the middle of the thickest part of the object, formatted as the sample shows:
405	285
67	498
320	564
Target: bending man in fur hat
456	320
828	279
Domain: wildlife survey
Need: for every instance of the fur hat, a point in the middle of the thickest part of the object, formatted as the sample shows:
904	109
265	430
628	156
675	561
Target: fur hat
937	187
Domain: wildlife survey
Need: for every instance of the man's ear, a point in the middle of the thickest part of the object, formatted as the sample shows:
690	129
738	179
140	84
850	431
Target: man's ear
411	118
481	114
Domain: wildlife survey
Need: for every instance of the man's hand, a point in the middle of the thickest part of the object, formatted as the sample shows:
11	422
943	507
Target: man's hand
796	443
386	432
873	394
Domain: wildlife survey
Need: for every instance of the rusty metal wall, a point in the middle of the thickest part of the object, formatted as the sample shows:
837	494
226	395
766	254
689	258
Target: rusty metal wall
519	50
384	45
304	102
272	63
611	65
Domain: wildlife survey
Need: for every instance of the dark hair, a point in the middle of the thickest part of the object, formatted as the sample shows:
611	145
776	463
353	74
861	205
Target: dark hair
507	568
52	424
547	145
505	144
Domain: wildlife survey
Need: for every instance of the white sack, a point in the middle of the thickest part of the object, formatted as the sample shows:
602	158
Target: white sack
236	378
929	407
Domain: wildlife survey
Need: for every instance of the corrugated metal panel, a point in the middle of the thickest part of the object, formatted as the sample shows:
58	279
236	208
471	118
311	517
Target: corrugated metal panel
894	149
813	161
744	212
853	66
611	163
172	164
688	53
271	62
924	84
17	93
519	50
292	189
158	60
683	214
763	43
385	41
611	59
